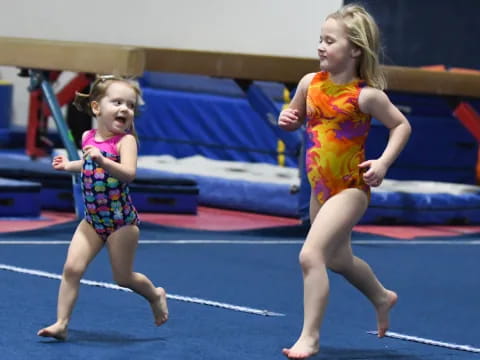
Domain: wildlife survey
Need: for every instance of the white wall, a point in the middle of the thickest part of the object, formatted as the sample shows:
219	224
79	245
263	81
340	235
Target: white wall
267	27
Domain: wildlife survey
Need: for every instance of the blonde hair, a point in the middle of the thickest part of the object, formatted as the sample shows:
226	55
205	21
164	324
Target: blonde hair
363	32
98	89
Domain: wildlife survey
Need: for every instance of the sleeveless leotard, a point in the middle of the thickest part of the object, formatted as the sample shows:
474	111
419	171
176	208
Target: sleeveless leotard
337	131
108	205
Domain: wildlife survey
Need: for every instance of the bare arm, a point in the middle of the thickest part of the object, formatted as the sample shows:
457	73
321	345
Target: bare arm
376	103
61	163
126	169
293	116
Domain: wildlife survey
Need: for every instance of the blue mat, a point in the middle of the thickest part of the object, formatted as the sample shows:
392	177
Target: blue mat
438	304
19	198
162	191
423	208
152	191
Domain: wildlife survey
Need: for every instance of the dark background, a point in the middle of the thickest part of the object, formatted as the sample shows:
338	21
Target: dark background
428	32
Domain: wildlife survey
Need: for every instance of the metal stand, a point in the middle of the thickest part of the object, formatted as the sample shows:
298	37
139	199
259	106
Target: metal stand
40	80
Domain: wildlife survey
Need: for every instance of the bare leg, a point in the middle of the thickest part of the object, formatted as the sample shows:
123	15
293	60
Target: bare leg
360	275
333	221
122	245
84	246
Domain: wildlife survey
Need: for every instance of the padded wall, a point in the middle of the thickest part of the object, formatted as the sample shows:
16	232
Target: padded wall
440	147
183	124
187	115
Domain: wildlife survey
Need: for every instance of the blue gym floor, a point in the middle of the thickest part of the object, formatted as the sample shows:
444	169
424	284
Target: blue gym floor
237	295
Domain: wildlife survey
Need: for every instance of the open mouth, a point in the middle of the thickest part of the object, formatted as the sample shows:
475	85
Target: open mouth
121	119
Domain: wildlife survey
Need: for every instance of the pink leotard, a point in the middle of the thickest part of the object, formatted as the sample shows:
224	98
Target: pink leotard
108	205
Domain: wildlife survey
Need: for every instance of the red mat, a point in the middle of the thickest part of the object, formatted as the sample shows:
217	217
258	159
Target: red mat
206	219
220	219
412	232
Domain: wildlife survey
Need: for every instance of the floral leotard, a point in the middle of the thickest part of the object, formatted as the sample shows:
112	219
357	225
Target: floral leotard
108	205
337	131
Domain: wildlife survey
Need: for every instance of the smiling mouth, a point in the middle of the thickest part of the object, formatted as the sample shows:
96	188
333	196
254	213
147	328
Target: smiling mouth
121	119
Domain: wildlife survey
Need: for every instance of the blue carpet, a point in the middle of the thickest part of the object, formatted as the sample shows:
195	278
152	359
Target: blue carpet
437	284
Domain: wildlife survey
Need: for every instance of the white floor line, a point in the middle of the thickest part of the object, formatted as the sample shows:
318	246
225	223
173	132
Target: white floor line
258	242
180	242
170	296
428	341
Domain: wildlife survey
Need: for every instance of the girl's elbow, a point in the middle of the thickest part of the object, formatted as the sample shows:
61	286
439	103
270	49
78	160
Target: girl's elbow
127	177
130	178
405	127
408	128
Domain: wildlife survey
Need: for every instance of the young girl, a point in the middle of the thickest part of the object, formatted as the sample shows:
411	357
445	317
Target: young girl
338	103
109	163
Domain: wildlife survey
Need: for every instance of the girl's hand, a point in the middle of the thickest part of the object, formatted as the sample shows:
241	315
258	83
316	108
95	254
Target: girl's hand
59	162
375	173
289	120
94	153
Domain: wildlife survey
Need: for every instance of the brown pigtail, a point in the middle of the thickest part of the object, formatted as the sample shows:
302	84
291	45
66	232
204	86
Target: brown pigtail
82	103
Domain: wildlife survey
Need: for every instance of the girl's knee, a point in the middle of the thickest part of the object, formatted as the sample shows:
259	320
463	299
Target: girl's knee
309	259
72	270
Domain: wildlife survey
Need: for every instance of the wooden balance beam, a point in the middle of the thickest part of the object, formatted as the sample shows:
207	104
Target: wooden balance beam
72	56
290	70
127	60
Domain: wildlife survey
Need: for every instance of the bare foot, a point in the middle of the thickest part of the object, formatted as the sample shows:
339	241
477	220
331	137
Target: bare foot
383	310
55	331
159	307
302	349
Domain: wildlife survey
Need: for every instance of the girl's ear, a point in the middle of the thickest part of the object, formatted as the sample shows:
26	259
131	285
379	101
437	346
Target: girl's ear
356	52
95	108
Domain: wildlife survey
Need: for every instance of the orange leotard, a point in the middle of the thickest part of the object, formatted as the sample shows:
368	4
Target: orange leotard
337	131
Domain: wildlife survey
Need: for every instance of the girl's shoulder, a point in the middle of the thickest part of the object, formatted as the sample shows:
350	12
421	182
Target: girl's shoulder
310	76
126	140
370	98
371	93
306	80
88	135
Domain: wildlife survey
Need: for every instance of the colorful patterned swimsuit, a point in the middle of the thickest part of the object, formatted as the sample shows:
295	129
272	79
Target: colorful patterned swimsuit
337	131
108	205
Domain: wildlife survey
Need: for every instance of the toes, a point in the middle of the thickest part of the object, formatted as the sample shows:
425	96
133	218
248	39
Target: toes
48	333
298	356
295	355
45	333
381	332
161	321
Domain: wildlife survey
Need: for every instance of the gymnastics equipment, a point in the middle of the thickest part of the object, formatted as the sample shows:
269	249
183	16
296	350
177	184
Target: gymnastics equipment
41	57
19	198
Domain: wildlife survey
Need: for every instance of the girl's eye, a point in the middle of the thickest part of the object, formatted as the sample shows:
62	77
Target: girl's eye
327	41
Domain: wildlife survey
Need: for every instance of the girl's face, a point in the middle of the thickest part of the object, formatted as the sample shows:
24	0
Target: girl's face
116	110
335	51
